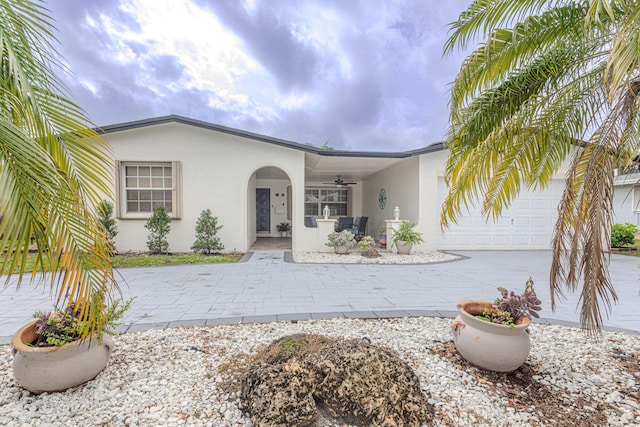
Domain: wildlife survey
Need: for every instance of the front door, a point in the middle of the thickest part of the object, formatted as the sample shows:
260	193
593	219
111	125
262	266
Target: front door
263	209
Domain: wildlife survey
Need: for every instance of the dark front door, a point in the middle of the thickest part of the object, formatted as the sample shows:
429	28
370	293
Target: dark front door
263	211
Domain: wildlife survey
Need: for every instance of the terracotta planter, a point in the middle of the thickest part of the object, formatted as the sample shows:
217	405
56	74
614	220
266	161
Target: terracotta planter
489	345
382	239
404	248
342	250
46	369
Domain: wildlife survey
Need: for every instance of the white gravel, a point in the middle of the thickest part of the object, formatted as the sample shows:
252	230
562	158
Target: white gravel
170	377
354	257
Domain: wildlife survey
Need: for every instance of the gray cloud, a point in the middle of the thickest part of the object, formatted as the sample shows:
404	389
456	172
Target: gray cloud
270	40
393	97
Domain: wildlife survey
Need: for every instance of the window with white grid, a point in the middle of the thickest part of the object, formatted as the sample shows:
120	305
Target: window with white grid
145	186
337	199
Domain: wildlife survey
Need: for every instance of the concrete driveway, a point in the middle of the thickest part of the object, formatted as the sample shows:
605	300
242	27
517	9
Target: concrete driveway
266	288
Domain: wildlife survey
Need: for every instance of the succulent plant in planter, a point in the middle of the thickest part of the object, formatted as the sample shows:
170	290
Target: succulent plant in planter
341	241
51	355
61	327
511	308
494	335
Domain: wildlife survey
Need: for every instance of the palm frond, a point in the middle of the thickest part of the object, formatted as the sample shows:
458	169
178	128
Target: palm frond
483	16
508	49
521	104
53	169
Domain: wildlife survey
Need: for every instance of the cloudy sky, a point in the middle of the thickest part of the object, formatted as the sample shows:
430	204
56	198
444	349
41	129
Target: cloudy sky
360	75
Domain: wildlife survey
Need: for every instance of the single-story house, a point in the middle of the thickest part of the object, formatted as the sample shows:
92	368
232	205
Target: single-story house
252	183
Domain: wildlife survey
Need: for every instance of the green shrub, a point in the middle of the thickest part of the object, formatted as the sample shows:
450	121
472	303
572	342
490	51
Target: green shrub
104	210
207	228
159	225
623	235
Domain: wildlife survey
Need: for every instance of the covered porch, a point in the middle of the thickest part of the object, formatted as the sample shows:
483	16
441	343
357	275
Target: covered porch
349	184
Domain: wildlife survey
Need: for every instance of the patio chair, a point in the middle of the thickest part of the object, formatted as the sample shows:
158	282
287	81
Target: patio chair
359	226
310	222
344	223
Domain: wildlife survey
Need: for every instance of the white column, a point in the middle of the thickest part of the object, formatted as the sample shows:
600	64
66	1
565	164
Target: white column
325	227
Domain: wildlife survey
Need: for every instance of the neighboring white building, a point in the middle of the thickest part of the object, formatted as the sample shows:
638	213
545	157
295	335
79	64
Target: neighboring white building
626	200
253	182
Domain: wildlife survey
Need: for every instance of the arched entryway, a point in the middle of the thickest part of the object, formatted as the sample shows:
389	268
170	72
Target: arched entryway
270	203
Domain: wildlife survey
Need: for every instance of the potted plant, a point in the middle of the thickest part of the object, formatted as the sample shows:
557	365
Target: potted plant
405	237
341	241
49	353
284	228
382	237
494	335
367	247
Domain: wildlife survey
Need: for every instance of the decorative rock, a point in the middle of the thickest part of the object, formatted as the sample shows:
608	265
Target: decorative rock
338	381
149	357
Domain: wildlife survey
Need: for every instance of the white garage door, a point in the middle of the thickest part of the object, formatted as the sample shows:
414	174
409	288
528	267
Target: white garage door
528	224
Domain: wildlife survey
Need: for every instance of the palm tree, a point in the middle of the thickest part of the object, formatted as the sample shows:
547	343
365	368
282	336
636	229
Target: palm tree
53	170
553	81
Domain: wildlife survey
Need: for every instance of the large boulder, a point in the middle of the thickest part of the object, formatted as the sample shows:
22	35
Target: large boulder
306	379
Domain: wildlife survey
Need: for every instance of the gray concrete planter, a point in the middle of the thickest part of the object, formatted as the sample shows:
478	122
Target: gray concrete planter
47	369
487	345
342	250
404	248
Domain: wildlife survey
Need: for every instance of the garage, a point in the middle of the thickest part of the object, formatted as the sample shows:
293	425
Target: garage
527	225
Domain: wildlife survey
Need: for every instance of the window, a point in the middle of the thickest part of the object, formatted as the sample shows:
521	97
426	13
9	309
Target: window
144	186
635	200
338	200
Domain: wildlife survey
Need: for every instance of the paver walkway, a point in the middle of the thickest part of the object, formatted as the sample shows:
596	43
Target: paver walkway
266	288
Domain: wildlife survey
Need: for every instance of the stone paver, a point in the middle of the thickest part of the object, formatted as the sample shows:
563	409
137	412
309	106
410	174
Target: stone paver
266	288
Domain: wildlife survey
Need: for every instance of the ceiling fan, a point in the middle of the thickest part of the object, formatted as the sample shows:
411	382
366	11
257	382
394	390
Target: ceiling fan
339	182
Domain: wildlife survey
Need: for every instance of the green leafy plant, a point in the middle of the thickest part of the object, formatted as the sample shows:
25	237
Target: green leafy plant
511	308
61	327
623	235
207	228
342	238
406	233
104	210
367	246
283	226
159	225
366	242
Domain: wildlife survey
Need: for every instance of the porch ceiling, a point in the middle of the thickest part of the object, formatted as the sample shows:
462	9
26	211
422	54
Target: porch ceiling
325	168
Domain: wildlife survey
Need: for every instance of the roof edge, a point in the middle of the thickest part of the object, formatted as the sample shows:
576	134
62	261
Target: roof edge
173	118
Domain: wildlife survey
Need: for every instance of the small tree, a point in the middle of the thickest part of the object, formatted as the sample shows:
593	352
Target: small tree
207	228
104	210
159	225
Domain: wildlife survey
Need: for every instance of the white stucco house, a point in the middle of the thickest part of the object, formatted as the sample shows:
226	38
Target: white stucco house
253	182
